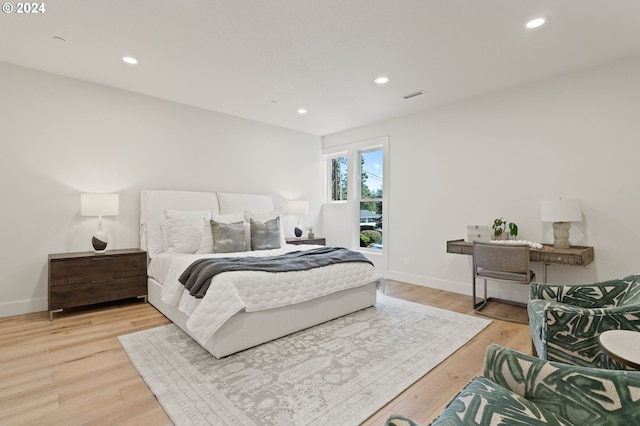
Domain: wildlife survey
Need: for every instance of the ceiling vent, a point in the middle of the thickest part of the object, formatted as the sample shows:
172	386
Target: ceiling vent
413	95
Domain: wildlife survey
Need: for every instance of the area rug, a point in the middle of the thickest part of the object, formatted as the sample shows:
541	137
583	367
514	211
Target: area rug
339	373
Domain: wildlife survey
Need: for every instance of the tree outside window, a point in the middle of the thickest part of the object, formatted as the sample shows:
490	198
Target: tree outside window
339	178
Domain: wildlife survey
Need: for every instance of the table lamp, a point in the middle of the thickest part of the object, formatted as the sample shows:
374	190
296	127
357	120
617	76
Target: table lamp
298	208
99	205
561	213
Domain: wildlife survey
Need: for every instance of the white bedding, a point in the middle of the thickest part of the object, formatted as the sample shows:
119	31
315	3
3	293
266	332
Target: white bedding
232	292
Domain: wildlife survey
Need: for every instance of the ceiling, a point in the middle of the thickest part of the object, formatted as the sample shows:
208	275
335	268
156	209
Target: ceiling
265	59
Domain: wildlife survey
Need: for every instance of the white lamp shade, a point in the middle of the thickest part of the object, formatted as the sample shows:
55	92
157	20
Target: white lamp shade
561	211
298	207
99	204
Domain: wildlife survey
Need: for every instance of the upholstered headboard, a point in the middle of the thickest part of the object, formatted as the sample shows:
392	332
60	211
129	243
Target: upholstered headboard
153	205
238	203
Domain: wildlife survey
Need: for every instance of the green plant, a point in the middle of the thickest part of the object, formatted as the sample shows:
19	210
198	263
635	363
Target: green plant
369	237
500	226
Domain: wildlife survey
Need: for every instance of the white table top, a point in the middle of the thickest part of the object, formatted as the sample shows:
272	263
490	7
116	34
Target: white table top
622	345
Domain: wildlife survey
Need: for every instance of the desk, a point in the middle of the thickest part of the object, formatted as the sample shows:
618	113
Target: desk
574	255
622	345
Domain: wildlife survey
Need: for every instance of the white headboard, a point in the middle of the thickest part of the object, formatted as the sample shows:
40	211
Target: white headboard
238	203
154	203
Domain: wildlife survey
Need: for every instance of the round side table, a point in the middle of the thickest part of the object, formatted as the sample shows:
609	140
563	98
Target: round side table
622	345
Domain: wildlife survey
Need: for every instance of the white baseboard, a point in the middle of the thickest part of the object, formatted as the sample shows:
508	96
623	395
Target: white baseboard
455	287
23	307
514	292
507	291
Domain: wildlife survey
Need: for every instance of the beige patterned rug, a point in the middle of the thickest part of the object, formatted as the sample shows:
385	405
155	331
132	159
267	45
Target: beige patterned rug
338	373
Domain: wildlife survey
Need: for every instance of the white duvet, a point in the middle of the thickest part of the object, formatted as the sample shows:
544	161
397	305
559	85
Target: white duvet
231	292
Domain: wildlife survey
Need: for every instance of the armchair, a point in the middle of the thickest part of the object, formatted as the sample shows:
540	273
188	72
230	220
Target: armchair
566	320
524	390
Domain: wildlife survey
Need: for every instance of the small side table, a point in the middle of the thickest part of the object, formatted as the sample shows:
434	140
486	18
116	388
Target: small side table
86	278
311	241
622	345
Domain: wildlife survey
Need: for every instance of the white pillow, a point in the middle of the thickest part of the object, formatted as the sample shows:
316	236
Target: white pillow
165	237
265	217
185	229
206	242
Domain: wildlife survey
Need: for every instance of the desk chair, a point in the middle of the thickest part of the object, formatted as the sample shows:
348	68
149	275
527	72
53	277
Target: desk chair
500	262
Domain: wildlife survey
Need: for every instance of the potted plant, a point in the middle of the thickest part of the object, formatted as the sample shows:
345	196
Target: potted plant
500	227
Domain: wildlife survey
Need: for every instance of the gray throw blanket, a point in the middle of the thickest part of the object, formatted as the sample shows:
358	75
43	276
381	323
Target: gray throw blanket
197	277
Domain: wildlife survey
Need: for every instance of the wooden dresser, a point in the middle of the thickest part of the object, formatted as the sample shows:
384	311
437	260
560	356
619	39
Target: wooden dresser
313	241
85	278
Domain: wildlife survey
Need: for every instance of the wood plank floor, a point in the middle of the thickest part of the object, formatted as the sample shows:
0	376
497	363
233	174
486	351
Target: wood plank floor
74	371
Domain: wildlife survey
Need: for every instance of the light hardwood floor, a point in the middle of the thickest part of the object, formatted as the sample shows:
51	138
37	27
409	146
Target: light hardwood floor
74	371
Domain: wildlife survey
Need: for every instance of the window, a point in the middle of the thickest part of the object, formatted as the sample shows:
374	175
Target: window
339	178
371	203
356	193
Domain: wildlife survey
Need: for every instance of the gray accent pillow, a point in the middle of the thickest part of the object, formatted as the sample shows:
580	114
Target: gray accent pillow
228	237
265	236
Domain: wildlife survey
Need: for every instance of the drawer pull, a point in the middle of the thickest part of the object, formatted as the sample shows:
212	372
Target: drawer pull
95	259
106	280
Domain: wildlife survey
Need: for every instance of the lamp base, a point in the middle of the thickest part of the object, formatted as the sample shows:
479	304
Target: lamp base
99	241
297	231
561	235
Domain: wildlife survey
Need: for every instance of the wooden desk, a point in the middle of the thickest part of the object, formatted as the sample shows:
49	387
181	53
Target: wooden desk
574	255
622	345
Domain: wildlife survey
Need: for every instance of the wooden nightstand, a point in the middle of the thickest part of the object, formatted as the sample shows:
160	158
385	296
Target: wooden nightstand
313	241
78	279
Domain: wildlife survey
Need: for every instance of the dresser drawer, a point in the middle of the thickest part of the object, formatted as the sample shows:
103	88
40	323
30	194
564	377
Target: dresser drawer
459	247
561	258
96	268
88	293
311	241
85	278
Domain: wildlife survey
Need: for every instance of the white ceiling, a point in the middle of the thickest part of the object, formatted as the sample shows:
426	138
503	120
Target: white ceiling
263	59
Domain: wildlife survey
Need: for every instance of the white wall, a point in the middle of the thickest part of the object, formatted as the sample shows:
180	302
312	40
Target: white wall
499	155
60	137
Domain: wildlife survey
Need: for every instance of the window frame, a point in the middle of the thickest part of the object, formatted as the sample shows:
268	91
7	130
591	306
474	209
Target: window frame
352	151
329	175
361	200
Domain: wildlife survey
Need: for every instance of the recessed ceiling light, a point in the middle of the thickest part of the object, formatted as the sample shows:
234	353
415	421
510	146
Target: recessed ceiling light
302	111
535	23
130	60
381	80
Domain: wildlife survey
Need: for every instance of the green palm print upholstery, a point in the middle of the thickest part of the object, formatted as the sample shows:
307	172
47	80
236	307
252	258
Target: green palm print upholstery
566	320
483	402
519	389
401	421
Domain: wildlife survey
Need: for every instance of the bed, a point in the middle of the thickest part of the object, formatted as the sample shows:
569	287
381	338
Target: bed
246	308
